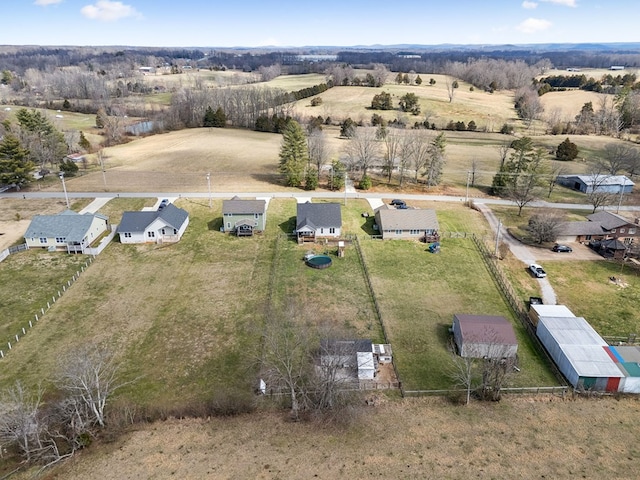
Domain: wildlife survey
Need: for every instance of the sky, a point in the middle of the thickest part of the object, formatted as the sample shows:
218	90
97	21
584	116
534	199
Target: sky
288	23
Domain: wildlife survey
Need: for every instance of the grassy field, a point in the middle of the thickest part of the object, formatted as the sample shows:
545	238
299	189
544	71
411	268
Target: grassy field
527	437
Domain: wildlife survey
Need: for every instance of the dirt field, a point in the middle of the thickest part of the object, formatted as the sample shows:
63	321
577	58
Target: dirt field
520	437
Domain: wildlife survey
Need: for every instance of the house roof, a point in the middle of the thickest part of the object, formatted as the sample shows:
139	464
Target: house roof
613	244
239	206
68	224
608	220
601	180
137	222
580	228
407	219
318	215
486	329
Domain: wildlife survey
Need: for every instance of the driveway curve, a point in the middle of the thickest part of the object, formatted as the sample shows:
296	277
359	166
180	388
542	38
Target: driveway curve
520	251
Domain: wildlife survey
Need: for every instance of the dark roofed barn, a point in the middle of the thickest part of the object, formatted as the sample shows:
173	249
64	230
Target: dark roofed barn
480	336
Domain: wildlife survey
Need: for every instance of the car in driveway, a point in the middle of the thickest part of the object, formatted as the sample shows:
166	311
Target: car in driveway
396	202
163	203
537	270
562	248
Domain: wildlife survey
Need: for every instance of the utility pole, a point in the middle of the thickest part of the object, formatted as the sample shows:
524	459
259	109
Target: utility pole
346	178
104	175
209	186
64	187
624	181
466	199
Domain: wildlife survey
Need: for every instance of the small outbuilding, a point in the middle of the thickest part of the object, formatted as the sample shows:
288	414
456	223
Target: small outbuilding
480	336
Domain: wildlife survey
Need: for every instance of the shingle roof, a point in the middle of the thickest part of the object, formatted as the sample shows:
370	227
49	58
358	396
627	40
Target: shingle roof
318	215
486	329
580	228
409	219
68	224
238	206
137	222
608	220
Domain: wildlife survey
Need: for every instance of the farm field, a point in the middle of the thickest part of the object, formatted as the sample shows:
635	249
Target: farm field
521	437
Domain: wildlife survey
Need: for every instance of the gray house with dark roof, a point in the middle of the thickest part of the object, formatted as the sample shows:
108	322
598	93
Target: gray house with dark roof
68	231
244	217
163	226
318	220
407	224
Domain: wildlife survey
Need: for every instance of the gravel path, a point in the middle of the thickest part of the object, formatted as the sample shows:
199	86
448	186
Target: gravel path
520	251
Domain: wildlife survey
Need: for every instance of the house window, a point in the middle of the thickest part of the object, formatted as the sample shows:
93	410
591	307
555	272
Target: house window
398	232
43	240
228	225
613	230
175	232
127	235
587	237
332	230
61	239
256	216
151	234
321	231
622	230
162	231
414	232
632	231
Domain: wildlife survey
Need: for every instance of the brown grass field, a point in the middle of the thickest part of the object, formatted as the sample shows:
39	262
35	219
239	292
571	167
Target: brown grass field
521	437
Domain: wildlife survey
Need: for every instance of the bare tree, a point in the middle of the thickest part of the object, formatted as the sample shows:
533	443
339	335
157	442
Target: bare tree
503	150
597	194
618	157
318	149
363	149
555	171
20	424
392	141
452	85
528	105
418	149
89	376
463	372
544	225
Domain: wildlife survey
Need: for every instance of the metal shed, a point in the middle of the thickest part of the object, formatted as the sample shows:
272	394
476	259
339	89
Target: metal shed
580	353
537	311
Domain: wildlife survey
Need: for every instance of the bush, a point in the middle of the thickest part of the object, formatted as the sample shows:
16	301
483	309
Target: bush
506	129
365	183
316	101
566	151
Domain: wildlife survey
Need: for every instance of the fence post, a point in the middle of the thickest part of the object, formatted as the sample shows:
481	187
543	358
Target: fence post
23	331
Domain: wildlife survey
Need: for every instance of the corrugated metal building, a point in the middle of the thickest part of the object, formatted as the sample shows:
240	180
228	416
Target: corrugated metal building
540	310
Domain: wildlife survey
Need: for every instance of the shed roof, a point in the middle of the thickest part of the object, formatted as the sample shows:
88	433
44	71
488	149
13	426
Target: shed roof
571	331
238	206
318	215
552	310
486	329
407	219
601	180
68	224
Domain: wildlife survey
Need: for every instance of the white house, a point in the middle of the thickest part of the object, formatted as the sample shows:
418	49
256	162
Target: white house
68	231
318	220
163	226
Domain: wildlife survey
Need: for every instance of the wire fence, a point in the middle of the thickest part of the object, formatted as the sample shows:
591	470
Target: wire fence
38	315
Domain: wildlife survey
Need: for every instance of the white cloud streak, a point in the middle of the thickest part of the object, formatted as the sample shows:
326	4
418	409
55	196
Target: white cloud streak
108	11
533	25
566	3
529	5
44	3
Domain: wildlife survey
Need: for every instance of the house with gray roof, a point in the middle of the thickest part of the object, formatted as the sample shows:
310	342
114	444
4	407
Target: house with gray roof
479	336
407	224
318	220
244	217
68	231
602	225
161	226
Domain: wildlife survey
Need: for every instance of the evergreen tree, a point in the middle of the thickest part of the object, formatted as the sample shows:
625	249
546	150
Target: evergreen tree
338	169
15	166
293	154
418	80
209	118
84	143
66	105
311	179
409	103
347	128
100	118
566	151
69	167
365	183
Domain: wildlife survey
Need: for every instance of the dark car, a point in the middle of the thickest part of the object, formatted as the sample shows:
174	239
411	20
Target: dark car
163	203
397	202
562	248
402	206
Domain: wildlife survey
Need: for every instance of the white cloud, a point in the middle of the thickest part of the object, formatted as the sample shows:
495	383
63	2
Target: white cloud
533	25
108	11
529	5
44	3
566	3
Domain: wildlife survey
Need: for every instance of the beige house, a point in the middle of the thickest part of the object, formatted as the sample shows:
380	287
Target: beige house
68	231
407	224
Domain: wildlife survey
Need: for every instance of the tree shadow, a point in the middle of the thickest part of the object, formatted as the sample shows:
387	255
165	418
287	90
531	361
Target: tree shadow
367	226
272	178
288	226
215	224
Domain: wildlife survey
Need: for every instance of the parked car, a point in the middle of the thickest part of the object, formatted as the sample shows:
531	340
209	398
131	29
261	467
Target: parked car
562	248
537	270
163	203
402	206
397	202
